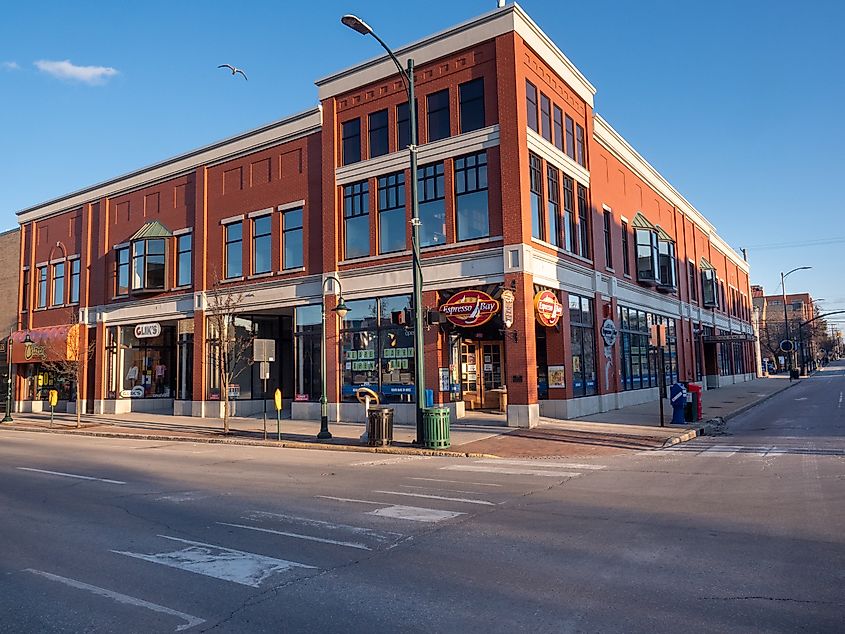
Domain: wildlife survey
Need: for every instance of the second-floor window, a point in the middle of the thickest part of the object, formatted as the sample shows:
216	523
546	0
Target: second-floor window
472	218
666	264
546	117
25	294
378	133
73	288
431	190
148	265
569	225
553	212
438	115
570	137
558	128
608	238
356	219
58	284
708	288
292	238
262	246
121	271
531	105
535	170
234	250
471	95
647	267
183	259
583	222
41	299
391	212
351	141
403	124
626	254
580	156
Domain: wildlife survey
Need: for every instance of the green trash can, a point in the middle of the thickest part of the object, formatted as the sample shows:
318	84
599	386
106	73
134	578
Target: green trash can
436	428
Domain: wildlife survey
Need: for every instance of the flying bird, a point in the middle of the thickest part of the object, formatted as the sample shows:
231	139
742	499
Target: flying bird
234	70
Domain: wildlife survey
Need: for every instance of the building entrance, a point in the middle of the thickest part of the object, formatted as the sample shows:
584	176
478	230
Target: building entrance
481	373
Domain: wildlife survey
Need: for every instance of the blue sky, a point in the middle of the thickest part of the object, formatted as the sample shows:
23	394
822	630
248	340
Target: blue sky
738	104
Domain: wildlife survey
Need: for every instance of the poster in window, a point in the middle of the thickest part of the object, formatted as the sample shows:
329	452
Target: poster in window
576	365
444	379
557	376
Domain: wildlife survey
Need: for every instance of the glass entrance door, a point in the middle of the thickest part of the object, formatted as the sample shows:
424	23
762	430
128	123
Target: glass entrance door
491	366
481	372
470	384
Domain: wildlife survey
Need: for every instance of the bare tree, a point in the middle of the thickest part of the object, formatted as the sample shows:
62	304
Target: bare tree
231	344
70	359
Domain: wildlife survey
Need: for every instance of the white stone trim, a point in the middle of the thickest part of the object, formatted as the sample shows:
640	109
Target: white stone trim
182	232
292	205
452	146
232	219
551	154
260	213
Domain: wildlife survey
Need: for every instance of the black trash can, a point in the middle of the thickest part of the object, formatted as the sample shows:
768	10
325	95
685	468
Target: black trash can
379	426
795	374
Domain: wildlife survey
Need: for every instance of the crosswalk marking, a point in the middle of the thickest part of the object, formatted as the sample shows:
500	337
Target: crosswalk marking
555	464
480	484
311	538
409	486
228	564
384	461
437	497
379	536
190	621
728	451
510	470
398	511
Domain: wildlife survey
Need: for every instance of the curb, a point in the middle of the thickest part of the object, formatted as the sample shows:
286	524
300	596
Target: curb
286	444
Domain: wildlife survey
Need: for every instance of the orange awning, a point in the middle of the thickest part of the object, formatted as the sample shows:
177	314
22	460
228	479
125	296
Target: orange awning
53	343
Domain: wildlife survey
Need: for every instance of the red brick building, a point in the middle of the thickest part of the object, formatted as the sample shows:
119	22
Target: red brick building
523	189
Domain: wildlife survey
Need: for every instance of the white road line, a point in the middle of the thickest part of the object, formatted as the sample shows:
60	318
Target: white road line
721	451
298	536
840	401
227	564
398	511
70	475
438	497
510	471
384	461
480	484
409	486
190	621
542	463
379	536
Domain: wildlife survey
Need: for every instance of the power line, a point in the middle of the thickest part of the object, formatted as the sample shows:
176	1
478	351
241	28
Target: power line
796	244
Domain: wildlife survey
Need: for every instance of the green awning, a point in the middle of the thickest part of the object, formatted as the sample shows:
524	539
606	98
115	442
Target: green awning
151	230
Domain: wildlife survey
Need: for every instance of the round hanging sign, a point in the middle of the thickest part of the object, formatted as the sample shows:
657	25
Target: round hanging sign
469	308
547	308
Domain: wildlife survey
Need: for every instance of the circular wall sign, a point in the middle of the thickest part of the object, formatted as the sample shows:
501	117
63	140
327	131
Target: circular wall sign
469	308
609	332
547	308
787	345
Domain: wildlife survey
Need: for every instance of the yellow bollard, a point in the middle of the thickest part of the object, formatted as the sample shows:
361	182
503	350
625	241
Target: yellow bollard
277	398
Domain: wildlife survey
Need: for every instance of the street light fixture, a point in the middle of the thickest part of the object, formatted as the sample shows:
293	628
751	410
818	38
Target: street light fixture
9	391
783	277
341	309
359	26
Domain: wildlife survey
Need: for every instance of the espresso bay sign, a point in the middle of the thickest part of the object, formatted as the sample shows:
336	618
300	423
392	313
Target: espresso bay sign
148	331
469	308
547	308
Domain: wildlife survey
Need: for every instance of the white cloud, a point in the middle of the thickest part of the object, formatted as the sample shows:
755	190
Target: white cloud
10	66
66	70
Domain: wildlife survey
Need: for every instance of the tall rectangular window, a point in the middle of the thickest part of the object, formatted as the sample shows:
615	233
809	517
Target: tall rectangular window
262	245
356	219
378	133
583	222
646	244
58	284
431	191
569	225
626	255
438	115
148	265
545	117
391	212
73	289
558	128
666	264
234	250
292	238
570	137
553	210
535	169
582	345
580	156
471	202
25	295
471	95
403	124
608	238
351	141
121	271
41	272
183	259
531	105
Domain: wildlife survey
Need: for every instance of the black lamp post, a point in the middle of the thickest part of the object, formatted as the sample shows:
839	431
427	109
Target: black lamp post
9	391
341	309
358	25
783	277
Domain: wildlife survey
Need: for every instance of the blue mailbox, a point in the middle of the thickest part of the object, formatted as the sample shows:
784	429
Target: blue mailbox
678	398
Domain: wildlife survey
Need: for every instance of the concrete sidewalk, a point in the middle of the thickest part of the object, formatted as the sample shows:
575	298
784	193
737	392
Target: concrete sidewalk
631	428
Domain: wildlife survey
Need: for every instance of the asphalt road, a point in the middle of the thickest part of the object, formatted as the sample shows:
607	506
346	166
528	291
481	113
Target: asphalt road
737	533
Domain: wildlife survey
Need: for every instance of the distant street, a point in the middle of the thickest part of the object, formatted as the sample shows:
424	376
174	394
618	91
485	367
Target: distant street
742	532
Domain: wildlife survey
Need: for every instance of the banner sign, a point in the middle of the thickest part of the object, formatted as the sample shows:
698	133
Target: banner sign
507	307
547	308
470	308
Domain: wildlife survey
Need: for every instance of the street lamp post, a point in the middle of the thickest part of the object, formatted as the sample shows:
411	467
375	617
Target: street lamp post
783	277
341	309
9	387
358	25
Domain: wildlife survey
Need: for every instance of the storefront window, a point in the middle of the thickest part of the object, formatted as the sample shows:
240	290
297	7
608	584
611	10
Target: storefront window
241	374
542	364
147	365
638	363
308	336
583	348
376	351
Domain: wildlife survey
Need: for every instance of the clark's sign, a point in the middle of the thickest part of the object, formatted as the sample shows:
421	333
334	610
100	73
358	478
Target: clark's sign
469	308
547	308
147	331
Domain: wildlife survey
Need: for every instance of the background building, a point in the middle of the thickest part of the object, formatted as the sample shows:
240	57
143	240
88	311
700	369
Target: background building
524	193
808	337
